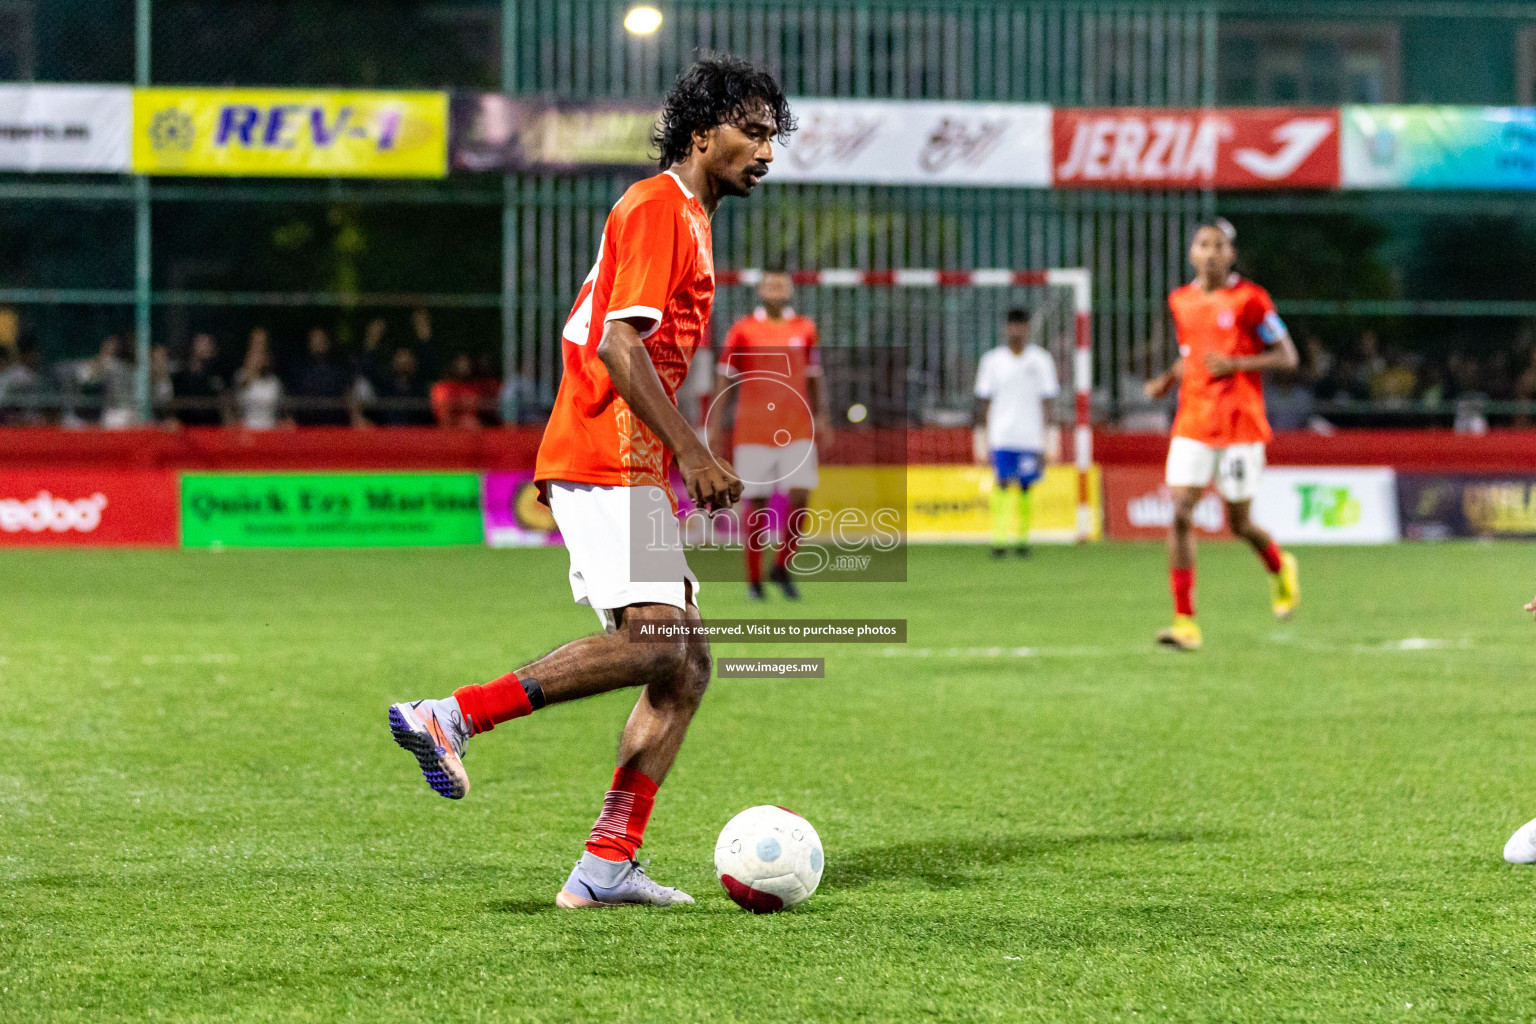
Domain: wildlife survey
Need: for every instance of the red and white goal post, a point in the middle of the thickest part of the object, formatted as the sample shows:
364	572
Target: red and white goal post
1076	279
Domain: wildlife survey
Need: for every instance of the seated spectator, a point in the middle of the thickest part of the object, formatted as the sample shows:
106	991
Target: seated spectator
198	390
521	401
401	394
321	384
1287	400
456	399
487	382
258	391
103	387
160	392
1394	383
18	386
1466	375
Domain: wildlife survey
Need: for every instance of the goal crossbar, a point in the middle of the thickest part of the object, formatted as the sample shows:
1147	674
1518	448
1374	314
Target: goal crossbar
1077	279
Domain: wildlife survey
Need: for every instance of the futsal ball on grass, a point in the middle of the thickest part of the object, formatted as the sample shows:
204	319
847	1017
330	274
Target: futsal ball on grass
768	859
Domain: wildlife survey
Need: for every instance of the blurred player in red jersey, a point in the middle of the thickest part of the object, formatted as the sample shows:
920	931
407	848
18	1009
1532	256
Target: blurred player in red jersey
770	369
603	468
1229	334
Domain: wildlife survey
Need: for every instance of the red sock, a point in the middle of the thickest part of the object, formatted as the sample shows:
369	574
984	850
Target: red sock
626	808
1271	557
499	700
792	527
1182	583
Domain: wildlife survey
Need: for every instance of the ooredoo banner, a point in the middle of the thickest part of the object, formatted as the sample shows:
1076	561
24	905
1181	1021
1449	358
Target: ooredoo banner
893	142
330	509
290	132
65	127
1328	505
1237	148
88	508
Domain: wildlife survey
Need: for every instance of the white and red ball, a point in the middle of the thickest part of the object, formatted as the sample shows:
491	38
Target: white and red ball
769	859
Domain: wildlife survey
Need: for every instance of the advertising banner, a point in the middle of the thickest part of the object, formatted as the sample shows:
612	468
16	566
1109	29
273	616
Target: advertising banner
1439	147
1440	506
514	518
330	510
65	127
1237	148
895	142
1328	505
290	132
491	132
953	504
1137	506
87	508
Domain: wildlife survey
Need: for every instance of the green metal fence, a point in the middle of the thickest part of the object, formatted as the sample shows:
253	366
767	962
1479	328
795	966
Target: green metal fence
188	253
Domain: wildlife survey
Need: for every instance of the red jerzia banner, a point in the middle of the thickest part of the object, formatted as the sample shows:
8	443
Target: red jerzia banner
1234	148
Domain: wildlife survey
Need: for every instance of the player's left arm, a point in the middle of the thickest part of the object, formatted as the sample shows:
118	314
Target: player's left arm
1279	351
816	393
1054	422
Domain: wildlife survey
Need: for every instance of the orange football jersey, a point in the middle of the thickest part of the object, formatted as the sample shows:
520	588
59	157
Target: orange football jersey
768	361
1237	320
654	263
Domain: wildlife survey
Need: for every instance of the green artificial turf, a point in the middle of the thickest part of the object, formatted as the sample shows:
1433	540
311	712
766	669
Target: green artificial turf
1029	813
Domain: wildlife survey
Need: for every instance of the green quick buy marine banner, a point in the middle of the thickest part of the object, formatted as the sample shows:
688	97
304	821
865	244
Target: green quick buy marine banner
331	510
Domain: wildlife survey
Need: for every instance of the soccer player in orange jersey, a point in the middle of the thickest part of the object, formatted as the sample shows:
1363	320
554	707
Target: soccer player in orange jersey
1228	334
603	468
769	367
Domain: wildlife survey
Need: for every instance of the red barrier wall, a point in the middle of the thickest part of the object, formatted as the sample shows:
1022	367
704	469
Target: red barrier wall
319	448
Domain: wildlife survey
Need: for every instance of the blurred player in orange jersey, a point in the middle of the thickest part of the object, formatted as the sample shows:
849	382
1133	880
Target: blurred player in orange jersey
1228	334
770	368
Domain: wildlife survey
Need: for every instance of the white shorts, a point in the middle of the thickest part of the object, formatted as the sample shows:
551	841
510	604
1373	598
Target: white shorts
625	547
765	468
1235	468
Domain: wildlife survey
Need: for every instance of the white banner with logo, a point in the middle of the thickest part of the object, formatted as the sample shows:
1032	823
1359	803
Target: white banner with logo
1328	505
65	127
899	142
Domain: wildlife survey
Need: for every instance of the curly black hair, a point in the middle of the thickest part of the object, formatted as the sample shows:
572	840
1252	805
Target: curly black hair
717	90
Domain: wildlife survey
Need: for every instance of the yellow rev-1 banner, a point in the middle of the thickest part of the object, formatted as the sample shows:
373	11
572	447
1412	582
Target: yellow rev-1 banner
290	133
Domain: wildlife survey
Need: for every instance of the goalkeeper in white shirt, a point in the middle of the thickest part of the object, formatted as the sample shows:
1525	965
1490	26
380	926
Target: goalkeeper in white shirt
1014	381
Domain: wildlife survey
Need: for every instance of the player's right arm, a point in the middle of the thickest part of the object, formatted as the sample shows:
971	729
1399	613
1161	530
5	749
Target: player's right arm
1166	381
985	388
710	484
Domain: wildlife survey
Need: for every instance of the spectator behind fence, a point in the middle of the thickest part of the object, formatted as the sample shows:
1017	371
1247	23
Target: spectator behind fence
456	399
401	393
19	387
321	385
1395	383
198	391
258	391
160	388
102	387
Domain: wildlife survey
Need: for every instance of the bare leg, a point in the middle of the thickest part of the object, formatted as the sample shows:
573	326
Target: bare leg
656	727
1181	533
673	674
1243	526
